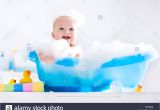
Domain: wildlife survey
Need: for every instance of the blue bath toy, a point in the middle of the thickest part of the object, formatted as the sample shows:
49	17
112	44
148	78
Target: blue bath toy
62	76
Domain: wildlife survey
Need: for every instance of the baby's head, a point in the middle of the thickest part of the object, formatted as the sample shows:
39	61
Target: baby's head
64	27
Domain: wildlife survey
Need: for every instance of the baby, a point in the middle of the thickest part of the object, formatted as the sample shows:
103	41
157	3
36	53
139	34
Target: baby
64	40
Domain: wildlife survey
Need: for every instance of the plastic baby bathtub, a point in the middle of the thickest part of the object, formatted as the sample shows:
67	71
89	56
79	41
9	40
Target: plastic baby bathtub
63	76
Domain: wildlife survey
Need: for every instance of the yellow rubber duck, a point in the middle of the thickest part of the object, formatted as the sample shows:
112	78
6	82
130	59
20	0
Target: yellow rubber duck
138	88
26	77
12	81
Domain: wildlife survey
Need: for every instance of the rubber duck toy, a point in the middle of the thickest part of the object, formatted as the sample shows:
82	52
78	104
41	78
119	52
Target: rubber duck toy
26	77
138	88
12	81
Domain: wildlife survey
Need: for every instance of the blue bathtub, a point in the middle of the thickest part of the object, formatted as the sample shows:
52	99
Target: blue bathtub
63	76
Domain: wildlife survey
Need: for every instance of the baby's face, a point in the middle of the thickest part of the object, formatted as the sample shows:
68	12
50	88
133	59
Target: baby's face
64	28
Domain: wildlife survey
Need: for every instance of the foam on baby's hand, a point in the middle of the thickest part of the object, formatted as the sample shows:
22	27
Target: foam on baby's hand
58	48
61	49
72	52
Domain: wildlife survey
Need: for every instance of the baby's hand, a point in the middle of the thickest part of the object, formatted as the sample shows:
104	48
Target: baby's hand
77	55
47	58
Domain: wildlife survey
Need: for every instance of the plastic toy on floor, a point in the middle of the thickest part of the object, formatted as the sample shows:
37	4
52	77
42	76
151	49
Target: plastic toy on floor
59	77
26	87
138	88
25	84
12	81
26	77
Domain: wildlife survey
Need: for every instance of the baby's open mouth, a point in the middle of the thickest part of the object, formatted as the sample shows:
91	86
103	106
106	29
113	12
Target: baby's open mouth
66	37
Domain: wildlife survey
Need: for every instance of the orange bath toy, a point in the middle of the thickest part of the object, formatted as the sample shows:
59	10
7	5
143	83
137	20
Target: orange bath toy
26	77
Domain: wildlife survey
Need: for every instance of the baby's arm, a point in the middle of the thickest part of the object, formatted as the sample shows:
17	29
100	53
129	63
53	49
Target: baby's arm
46	58
77	55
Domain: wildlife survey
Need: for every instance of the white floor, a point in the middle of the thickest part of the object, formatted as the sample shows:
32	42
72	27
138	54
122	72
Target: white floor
79	97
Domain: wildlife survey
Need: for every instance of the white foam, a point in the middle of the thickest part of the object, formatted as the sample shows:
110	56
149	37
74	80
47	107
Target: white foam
57	48
100	53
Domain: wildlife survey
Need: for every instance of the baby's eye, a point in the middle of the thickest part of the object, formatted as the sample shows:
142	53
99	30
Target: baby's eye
61	28
71	29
